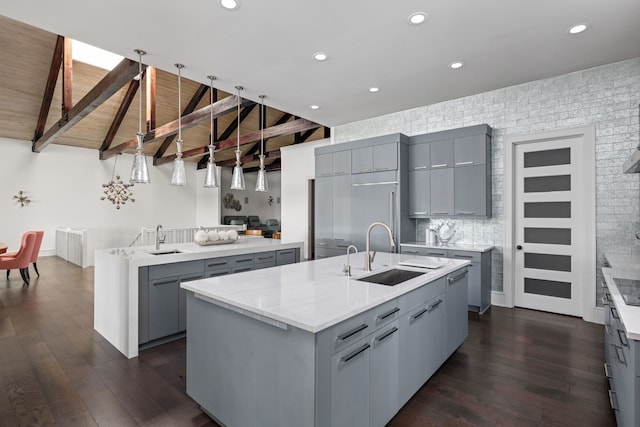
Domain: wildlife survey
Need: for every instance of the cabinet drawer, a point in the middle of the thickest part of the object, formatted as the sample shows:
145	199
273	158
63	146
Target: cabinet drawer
286	256
242	260
175	269
264	257
351	330
387	312
216	273
469	255
267	264
213	264
423	294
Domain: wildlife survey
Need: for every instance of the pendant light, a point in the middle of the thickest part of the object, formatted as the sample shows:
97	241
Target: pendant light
237	180
211	177
261	182
139	171
179	176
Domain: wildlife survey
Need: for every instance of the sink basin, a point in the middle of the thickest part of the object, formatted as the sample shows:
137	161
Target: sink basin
391	277
164	252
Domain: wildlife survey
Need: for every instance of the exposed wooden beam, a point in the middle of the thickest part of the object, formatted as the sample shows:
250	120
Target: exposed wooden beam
151	98
276	165
220	108
50	88
202	163
121	113
67	77
110	84
193	103
288	128
327	132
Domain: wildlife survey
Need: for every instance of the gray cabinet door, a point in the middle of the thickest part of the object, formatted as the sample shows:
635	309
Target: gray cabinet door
413	357
457	320
470	188
350	385
419	193
182	300
341	207
385	366
287	256
441	154
385	157
341	162
442	192
362	160
163	307
470	150
324	165
419	158
436	334
323	208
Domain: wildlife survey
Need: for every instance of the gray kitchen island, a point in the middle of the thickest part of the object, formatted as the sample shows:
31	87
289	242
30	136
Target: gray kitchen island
304	345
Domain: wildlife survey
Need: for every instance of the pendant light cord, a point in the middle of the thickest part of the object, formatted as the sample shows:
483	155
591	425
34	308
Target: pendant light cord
180	66
140	90
262	122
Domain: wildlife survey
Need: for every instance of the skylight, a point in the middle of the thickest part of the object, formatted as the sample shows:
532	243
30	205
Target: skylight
94	56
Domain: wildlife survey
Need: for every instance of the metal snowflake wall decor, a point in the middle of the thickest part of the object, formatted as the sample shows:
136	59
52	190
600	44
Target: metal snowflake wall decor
118	192
22	199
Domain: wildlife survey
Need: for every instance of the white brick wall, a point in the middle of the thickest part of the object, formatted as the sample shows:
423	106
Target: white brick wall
607	96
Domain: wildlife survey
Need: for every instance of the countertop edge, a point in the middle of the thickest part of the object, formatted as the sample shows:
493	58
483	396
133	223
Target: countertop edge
629	315
463	247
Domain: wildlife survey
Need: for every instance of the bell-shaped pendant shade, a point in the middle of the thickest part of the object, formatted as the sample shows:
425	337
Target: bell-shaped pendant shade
237	180
179	176
139	171
262	184
211	177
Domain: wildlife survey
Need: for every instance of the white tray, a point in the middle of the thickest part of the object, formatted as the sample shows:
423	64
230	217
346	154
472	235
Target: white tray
217	242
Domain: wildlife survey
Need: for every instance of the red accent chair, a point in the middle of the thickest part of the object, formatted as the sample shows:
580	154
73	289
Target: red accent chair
22	258
34	255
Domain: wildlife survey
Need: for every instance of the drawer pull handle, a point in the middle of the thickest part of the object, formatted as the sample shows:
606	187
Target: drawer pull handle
606	371
458	277
215	264
441	213
189	278
418	315
164	282
286	252
465	213
416	168
245	260
612	400
407	251
463	256
389	313
434	305
622	337
614	313
265	257
352	332
387	335
342	246
240	270
420	213
619	354
439	254
464	163
350	356
219	273
441	165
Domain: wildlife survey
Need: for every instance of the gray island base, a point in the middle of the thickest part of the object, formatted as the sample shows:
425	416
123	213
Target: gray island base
303	345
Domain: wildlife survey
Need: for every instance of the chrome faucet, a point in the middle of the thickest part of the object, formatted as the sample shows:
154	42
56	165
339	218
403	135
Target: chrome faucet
347	267
368	259
160	236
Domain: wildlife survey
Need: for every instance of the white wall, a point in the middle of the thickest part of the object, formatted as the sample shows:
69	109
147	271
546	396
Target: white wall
208	201
65	185
253	202
298	167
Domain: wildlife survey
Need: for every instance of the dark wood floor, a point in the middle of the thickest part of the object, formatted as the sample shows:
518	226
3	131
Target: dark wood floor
518	367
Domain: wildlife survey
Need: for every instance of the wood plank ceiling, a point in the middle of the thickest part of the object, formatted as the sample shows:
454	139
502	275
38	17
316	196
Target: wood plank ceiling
46	98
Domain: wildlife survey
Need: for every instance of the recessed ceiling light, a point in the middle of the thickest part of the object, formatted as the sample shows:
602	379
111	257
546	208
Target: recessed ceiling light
578	28
417	18
374	89
456	64
320	56
230	4
315	107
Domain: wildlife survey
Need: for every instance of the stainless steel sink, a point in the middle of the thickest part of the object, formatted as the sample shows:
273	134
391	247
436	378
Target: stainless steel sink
391	277
165	252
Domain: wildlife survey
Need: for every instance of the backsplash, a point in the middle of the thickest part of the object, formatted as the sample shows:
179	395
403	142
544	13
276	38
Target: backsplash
606	96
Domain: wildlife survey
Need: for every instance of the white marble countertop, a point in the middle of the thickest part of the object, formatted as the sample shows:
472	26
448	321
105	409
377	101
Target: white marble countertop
453	246
313	295
142	255
623	260
629	314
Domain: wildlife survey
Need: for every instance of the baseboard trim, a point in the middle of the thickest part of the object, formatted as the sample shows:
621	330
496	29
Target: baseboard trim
499	299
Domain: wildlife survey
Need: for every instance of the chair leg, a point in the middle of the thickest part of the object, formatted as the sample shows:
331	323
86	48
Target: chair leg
8	271
25	276
26	271
35	267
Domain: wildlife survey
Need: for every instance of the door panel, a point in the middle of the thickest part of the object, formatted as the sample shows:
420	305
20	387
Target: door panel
547	217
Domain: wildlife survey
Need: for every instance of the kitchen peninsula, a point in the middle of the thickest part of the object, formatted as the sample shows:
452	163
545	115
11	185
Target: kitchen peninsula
137	299
305	345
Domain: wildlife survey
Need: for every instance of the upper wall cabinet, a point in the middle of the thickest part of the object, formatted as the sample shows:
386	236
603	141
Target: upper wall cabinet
471	150
336	163
374	159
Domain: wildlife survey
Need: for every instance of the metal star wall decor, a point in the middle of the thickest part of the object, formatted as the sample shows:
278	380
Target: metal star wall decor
22	199
116	191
